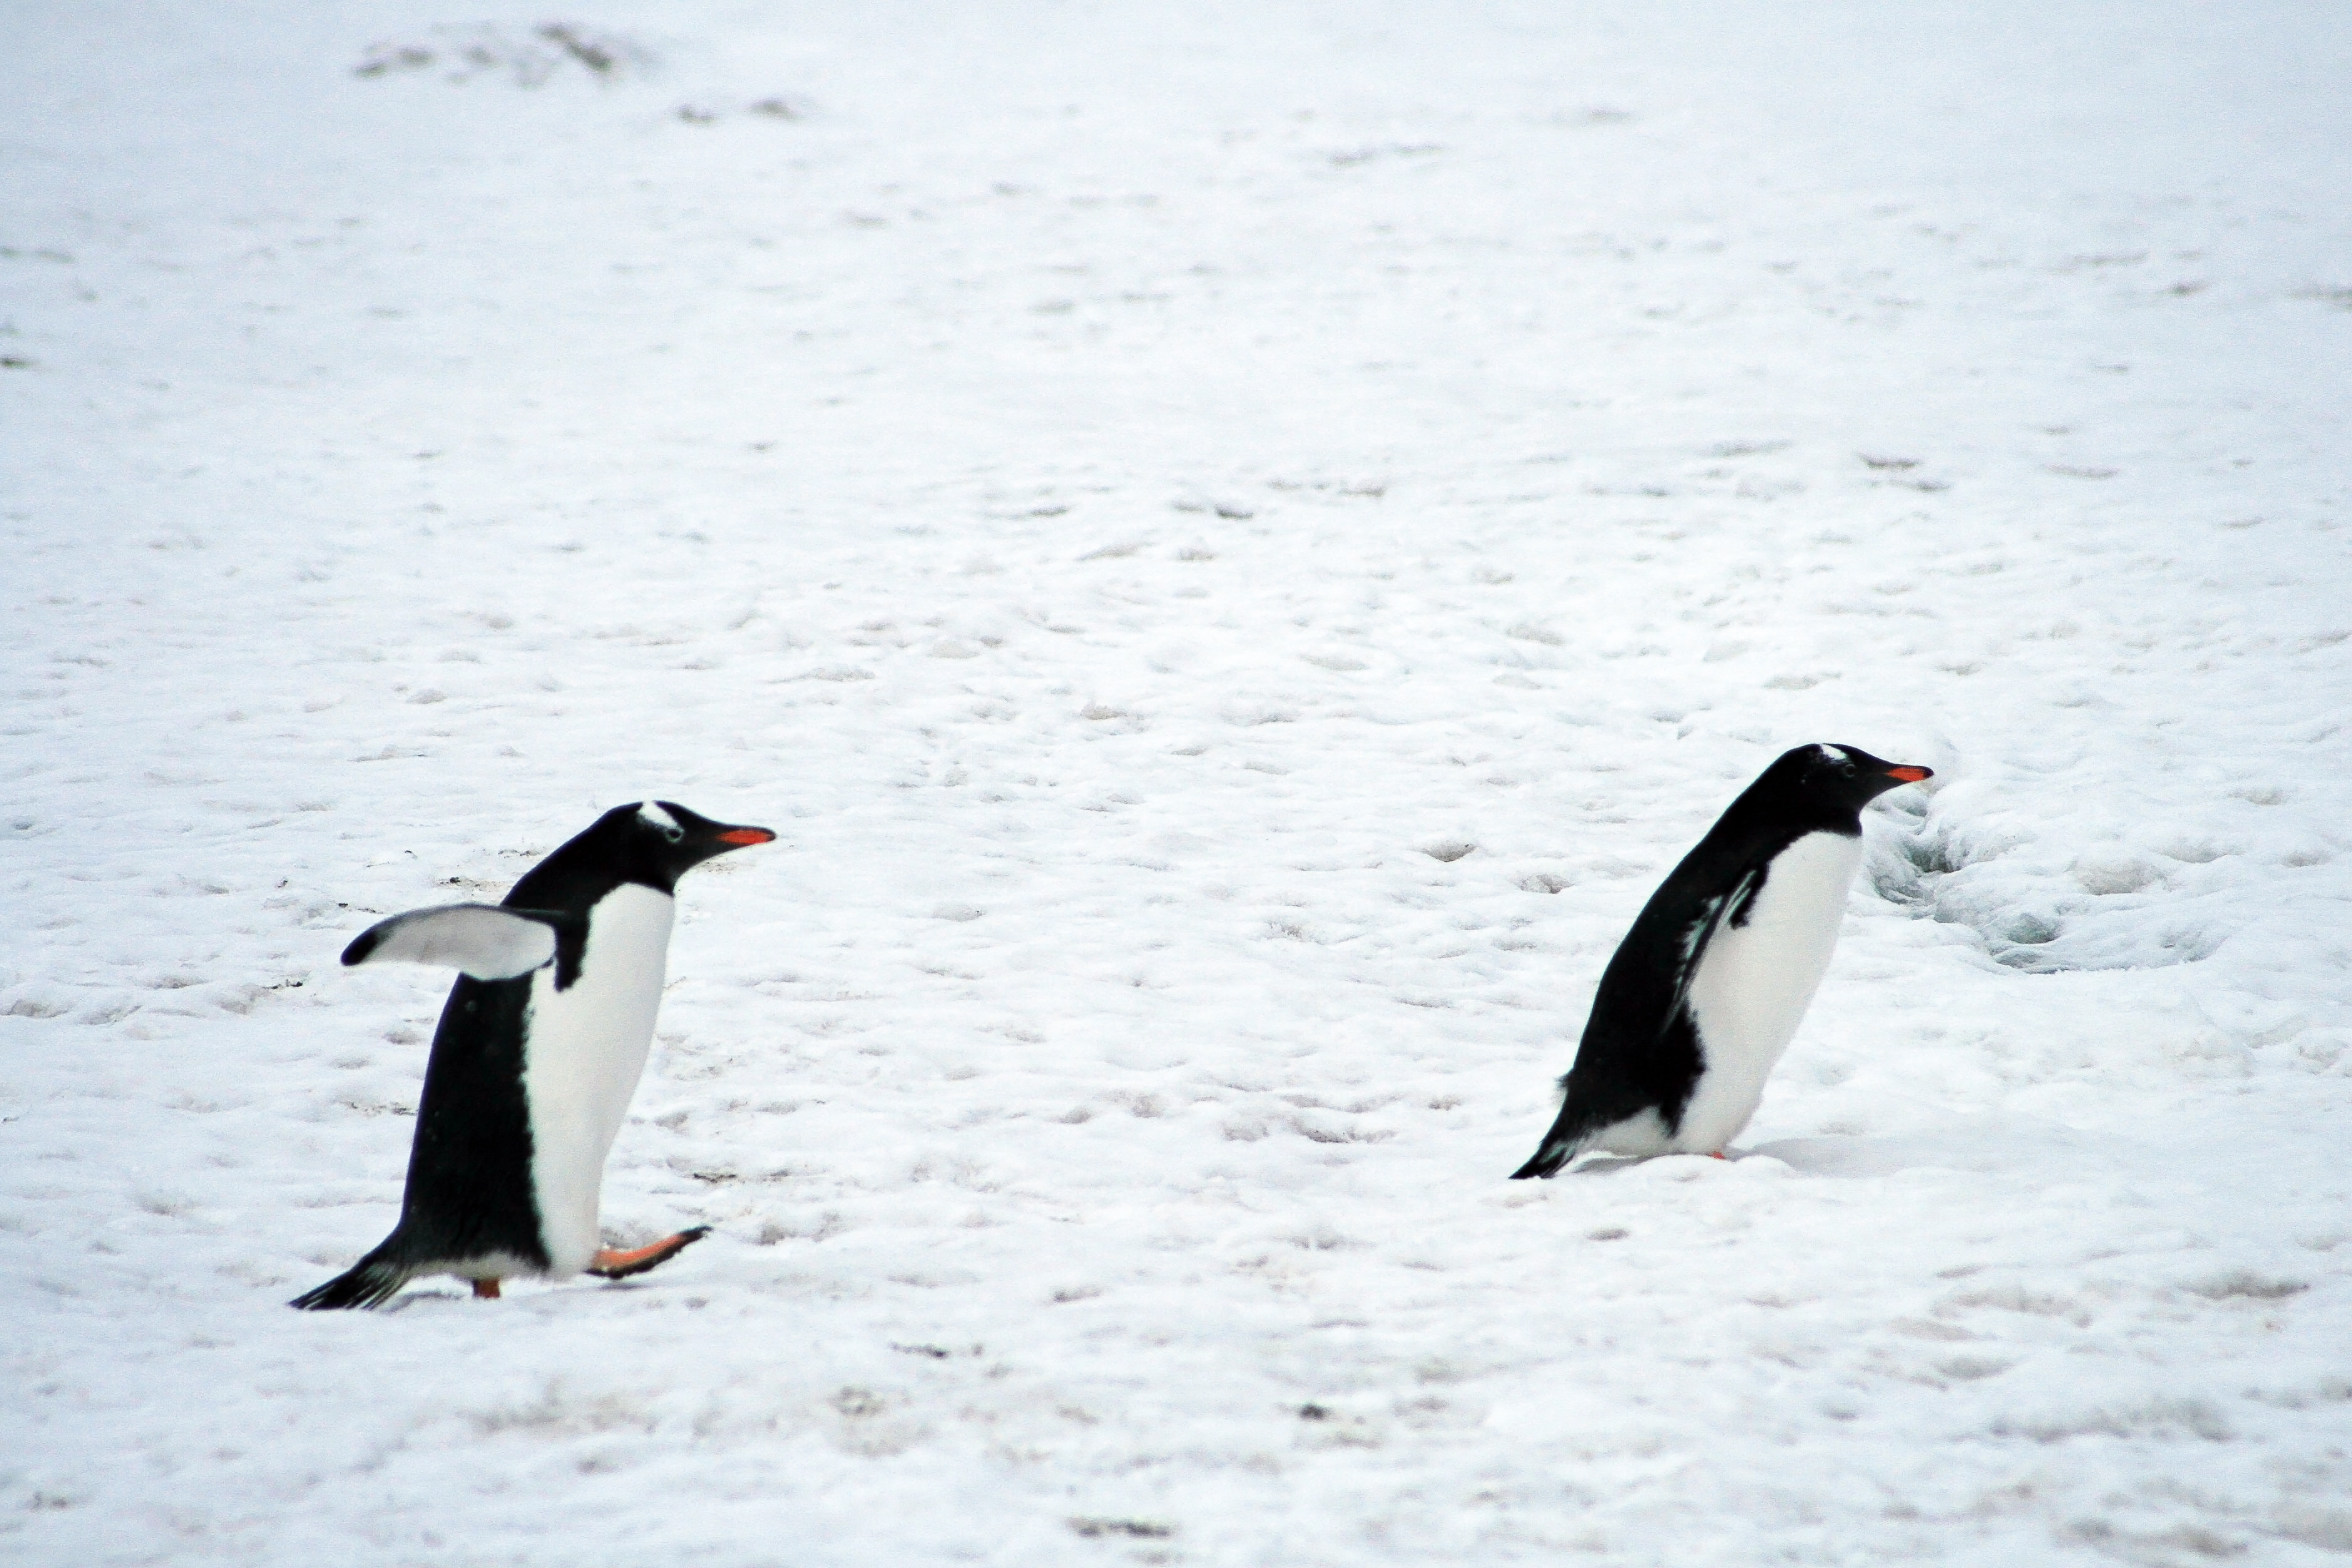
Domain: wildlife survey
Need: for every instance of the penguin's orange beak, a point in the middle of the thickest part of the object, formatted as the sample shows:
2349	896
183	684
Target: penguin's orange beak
1910	774
746	836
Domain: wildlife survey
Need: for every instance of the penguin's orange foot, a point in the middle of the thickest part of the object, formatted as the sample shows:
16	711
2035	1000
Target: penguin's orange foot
1719	1154
609	1264
486	1289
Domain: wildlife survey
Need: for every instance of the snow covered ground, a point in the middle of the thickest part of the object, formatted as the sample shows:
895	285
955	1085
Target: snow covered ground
1234	547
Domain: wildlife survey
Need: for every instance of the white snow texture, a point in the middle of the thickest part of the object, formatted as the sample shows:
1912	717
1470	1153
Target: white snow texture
1234	544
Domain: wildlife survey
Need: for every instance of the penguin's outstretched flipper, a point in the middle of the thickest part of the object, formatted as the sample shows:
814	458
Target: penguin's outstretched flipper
370	1282
481	940
610	1264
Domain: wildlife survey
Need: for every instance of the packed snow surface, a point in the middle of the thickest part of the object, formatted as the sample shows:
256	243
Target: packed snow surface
1233	544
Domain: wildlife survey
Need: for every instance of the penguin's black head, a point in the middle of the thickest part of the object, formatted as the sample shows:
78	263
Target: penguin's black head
652	843
1846	778
661	841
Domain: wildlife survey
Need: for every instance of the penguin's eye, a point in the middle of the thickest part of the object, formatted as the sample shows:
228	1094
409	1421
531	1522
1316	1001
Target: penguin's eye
674	833
1847	771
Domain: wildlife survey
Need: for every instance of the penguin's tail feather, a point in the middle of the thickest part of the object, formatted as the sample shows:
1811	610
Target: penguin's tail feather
370	1282
1555	1152
1565	1142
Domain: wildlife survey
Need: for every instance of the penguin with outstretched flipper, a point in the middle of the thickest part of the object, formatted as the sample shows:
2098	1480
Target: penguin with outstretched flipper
1709	984
538	1051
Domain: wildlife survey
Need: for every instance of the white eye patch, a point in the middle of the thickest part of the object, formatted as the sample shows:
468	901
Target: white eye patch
652	815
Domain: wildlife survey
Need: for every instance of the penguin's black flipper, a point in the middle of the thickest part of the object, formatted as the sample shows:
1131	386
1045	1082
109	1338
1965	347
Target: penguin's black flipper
1617	1067
485	941
370	1282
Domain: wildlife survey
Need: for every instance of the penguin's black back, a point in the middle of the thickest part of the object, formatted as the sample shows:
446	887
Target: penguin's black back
470	1188
469	1193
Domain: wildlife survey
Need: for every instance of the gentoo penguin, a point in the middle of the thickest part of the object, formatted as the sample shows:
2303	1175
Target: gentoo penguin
1707	989
538	1051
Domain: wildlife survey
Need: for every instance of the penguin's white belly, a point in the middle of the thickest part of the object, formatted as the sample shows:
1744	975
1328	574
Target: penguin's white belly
586	1048
1754	981
1641	1134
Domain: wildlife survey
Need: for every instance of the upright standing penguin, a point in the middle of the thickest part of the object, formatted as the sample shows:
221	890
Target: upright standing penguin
538	1051
1707	988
